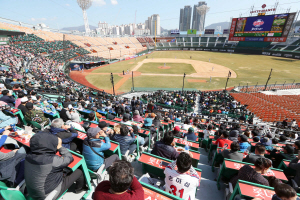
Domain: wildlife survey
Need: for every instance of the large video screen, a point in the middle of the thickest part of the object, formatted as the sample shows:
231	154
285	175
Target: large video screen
269	28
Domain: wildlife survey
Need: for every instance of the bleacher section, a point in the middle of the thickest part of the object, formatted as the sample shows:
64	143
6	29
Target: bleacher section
97	46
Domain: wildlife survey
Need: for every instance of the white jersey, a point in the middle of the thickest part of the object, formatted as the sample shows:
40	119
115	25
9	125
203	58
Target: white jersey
181	185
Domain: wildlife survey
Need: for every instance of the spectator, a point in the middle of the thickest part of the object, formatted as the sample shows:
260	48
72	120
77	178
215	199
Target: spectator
259	153
156	122
186	124
249	174
267	143
119	109
176	131
282	139
18	101
126	120
284	192
22	106
207	132
91	117
44	169
93	148
191	134
165	148
127	114
35	115
8	98
244	144
148	122
122	184
98	115
65	133
126	140
180	174
296	146
223	140
288	154
234	153
137	117
295	164
64	113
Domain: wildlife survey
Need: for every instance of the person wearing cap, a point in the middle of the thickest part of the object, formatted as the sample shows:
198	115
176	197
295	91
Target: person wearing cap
8	98
148	122
35	115
44	171
22	106
119	109
93	148
267	143
176	131
104	127
137	117
244	144
191	134
288	154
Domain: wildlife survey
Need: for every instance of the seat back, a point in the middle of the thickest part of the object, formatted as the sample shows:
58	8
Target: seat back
12	194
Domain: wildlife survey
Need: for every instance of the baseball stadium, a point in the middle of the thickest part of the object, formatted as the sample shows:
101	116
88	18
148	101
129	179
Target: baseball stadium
144	113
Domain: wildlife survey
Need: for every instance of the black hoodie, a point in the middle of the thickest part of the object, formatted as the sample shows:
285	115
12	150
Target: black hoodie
44	169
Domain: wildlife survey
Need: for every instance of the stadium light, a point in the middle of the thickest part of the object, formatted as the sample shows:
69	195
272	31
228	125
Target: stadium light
112	82
268	80
84	5
183	81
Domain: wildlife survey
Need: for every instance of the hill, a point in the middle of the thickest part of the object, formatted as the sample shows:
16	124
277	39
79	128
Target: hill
224	25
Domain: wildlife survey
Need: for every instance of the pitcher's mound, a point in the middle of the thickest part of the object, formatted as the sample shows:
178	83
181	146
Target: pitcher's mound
198	81
164	67
131	63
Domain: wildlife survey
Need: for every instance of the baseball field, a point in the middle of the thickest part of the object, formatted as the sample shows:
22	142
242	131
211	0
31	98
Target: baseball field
204	71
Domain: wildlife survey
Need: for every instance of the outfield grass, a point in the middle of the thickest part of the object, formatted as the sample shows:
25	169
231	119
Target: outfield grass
102	81
176	68
249	69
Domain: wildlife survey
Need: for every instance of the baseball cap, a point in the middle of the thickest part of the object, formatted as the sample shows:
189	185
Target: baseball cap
102	124
24	99
191	129
289	149
177	128
92	132
70	106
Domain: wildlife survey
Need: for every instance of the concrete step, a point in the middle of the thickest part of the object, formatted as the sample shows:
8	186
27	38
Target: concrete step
208	190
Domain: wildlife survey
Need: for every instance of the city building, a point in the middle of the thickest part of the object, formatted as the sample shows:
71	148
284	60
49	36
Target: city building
198	18
185	18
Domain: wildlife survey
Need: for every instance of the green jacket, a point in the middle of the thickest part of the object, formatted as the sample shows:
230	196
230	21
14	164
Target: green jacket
36	116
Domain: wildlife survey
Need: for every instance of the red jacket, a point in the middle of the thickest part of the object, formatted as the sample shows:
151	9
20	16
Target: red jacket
136	192
221	141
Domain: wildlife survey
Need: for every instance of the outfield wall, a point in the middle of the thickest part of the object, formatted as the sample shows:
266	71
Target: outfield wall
244	50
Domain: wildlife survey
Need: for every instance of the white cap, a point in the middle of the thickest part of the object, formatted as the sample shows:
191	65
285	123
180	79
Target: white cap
24	99
70	106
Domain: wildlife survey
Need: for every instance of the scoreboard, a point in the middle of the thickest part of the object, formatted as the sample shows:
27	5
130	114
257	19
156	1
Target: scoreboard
268	28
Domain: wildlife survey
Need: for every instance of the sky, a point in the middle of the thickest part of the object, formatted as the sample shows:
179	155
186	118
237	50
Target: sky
58	14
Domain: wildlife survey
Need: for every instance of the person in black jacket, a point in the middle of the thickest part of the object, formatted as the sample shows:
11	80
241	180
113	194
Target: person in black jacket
288	154
259	153
165	148
44	170
8	98
119	109
64	113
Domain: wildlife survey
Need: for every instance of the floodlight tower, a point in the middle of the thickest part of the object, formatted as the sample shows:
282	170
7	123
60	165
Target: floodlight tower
84	5
202	10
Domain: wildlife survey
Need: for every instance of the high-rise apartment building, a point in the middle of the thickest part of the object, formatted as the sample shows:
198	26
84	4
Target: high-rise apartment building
185	18
197	17
154	18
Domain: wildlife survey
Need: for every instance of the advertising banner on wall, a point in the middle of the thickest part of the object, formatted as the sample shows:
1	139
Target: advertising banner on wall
209	31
